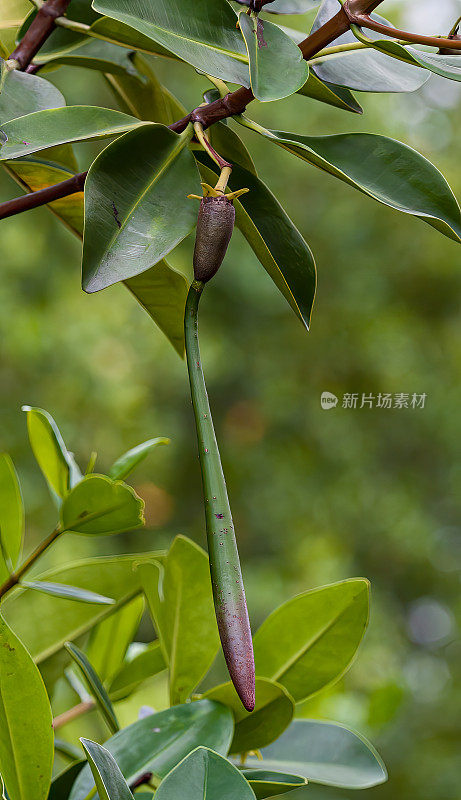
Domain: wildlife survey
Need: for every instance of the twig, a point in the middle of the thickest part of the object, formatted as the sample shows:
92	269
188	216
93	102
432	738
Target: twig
72	713
15	577
40	28
43	196
365	21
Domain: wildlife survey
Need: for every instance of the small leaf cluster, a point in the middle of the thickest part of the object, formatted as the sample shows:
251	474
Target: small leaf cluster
76	625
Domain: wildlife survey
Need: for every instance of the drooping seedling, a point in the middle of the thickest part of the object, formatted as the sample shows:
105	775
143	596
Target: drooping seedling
214	230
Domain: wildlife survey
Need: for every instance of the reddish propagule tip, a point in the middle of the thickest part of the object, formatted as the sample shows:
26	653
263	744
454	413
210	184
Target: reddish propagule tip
237	645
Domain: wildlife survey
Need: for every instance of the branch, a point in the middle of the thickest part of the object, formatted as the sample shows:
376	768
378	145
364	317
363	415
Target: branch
40	28
365	21
72	713
228	106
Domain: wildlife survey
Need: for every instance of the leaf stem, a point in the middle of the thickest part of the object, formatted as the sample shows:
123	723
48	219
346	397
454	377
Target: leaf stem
226	577
15	577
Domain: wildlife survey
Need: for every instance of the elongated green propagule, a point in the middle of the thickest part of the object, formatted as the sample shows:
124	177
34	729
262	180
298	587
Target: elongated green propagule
226	575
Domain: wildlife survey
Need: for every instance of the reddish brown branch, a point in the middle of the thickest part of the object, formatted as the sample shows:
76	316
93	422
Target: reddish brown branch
43	196
40	28
365	21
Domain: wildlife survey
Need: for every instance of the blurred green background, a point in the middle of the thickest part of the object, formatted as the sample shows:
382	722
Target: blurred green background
317	495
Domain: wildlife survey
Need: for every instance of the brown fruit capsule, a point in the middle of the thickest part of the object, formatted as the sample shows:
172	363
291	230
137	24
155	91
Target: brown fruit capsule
215	224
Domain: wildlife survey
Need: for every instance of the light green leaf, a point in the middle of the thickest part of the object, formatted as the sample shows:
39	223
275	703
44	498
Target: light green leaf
160	741
183	612
277	68
382	168
44	129
140	93
95	686
110	639
205	775
44	622
11	516
147	662
196	31
289	6
93	54
26	735
329	93
273	713
130	460
110	783
266	784
448	66
162	292
22	93
365	70
326	753
310	641
136	209
49	449
68	592
277	243
99	505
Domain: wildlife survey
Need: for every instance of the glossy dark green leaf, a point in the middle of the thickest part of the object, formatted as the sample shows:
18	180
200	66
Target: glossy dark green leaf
147	662
22	93
112	30
136	209
310	641
225	139
205	775
68	592
198	32
11	516
326	753
382	168
95	686
273	713
365	70
162	292
26	735
336	96
44	622
275	240
63	782
182	608
110	783
44	129
53	458
160	741
277	68
37	172
266	784
99	505
139	92
127	462
110	639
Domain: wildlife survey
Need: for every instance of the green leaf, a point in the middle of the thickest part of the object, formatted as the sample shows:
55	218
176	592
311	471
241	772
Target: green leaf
134	671
68	592
11	516
95	686
93	54
326	753
205	775
277	243
22	93
382	168
183	613
110	639
136	209
196	31
310	641
53	458
448	66
26	735
61	38
266	784
277	68
140	93
63	782
35	173
162	292
44	623
99	505
273	713
364	70
110	783
223	138
160	741
329	93
44	129
290	6
127	462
